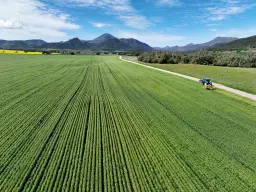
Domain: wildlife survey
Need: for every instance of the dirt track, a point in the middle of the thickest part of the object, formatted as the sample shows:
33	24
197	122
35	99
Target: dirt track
235	91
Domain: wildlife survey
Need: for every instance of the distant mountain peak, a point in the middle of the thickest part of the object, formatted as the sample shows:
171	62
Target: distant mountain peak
74	39
102	38
107	35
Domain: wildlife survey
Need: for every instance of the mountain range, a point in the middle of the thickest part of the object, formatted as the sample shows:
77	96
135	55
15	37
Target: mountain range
196	47
17	44
105	42
108	42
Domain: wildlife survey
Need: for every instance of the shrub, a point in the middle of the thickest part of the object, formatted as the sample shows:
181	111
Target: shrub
46	52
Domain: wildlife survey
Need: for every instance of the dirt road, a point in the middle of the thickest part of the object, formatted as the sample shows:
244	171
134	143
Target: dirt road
235	91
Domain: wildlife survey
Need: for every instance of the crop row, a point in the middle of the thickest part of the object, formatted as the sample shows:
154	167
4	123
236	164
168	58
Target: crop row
99	124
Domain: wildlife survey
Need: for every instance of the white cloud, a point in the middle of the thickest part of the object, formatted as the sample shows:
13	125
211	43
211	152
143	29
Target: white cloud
171	3
117	5
122	9
152	38
11	24
180	25
25	19
232	1
212	24
135	21
226	9
216	18
214	30
100	24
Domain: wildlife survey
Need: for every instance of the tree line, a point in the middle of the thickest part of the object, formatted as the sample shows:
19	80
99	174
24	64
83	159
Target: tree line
203	57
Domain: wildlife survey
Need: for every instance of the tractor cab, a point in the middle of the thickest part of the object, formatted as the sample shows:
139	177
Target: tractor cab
207	83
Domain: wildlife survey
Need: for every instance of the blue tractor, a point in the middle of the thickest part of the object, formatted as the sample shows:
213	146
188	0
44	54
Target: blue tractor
207	83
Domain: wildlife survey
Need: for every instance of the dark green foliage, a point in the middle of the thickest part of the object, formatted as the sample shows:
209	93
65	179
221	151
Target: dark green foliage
202	57
185	59
46	52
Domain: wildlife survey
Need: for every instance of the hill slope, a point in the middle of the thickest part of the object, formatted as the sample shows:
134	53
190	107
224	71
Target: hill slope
195	47
112	45
2	42
136	45
14	45
109	42
243	43
19	44
74	43
35	42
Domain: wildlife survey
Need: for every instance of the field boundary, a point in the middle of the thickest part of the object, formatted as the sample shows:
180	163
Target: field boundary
220	86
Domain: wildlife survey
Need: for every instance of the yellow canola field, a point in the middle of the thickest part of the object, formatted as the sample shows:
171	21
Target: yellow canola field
21	52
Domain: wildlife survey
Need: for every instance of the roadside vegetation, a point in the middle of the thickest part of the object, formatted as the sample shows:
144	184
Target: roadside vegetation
203	57
96	123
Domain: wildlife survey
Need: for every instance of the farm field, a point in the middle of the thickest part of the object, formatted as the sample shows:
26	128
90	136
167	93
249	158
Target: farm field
243	79
238	78
17	52
96	123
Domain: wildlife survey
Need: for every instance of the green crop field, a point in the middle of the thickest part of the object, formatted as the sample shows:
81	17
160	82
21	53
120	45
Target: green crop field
95	123
239	78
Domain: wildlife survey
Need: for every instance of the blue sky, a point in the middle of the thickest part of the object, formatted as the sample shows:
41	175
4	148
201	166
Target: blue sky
156	22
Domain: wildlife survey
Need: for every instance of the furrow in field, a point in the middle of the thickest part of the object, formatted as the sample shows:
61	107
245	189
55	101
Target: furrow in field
51	140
